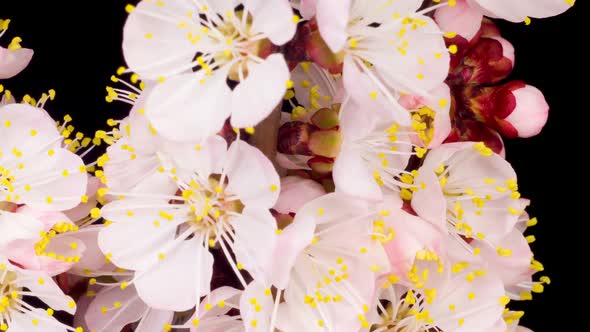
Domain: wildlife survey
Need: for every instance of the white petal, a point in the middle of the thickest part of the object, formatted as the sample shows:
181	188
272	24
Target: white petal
149	239
258	95
259	311
255	239
24	322
190	107
16	226
273	18
154	318
172	283
130	309
203	159
154	44
295	192
308	76
13	62
43	287
252	177
353	177
333	18
517	11
224	294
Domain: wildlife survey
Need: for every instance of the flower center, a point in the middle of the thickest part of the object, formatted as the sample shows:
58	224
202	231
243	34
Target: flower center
387	155
407	315
210	207
235	43
9	296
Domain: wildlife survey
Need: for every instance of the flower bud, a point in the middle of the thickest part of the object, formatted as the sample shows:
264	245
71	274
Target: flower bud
521	111
325	143
294	138
489	61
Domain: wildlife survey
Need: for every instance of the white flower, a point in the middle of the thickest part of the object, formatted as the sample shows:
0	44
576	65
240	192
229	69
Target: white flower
18	315
35	168
457	298
223	201
327	260
471	194
387	46
166	40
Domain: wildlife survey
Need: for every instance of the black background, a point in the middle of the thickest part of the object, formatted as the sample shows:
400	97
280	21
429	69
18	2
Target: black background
77	48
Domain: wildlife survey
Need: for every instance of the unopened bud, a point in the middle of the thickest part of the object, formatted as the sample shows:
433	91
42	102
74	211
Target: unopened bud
522	110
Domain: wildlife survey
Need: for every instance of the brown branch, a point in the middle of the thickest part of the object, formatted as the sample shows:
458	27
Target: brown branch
266	135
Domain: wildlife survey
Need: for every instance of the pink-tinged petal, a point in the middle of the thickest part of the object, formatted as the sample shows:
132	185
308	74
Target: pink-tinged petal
173	283
429	201
204	159
291	242
496	221
130	308
355	122
353	177
295	192
255	239
309	75
258	95
273	18
478	311
411	234
473	170
47	291
294	317
13	62
500	326
83	209
212	304
531	112
439	101
23	118
508	51
414	70
93	258
154	46
21	322
149	239
66	246
57	192
331	209
252	177
190	107
515	268
370	99
332	17
16	226
517	11
461	19
154	318
308	8
256	305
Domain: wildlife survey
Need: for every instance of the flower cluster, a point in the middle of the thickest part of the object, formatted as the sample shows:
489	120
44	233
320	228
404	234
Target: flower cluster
312	165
